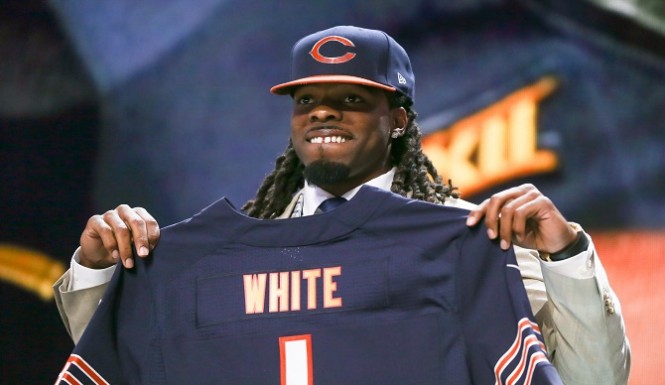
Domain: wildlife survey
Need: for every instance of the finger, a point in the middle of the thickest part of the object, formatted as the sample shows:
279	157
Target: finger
97	244
505	223
137	228
494	218
499	212
527	208
514	217
477	213
123	236
152	227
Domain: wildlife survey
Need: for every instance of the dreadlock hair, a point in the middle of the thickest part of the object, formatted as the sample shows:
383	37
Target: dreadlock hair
415	175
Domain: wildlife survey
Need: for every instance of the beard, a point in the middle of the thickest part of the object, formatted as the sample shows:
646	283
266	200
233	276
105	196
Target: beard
324	172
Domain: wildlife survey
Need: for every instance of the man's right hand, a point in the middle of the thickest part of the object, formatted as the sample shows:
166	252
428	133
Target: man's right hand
111	235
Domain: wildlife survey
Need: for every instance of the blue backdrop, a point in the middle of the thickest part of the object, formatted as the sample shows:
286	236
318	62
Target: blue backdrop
172	111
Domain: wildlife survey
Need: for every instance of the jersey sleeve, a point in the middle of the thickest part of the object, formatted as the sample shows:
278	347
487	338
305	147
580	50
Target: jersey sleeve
112	348
503	342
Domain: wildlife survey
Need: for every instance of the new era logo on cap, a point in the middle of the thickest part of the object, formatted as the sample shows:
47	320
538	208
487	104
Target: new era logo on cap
348	54
400	78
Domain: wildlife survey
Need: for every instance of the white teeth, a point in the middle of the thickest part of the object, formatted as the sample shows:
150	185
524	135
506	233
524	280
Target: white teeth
327	139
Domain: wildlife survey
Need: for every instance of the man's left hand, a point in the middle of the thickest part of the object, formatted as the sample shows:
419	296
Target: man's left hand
524	216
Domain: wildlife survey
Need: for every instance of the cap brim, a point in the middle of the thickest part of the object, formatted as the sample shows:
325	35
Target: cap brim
286	88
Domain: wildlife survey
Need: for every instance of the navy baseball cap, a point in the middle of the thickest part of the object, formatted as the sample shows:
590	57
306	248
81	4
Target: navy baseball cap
347	54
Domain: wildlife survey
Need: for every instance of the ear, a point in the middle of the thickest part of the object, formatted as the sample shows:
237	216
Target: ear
399	119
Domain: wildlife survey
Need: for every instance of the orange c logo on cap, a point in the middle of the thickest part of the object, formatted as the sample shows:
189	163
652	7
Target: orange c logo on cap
316	54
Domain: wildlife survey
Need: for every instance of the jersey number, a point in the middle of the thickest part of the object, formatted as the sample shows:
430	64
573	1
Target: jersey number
295	353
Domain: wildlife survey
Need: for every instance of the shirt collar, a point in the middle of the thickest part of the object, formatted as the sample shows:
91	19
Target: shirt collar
313	195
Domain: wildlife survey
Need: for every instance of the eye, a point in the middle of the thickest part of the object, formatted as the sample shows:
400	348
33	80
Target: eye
353	99
304	99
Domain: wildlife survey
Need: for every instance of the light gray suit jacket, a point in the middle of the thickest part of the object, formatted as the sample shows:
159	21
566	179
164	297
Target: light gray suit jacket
580	319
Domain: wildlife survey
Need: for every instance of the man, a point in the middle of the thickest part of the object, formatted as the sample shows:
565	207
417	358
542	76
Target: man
353	124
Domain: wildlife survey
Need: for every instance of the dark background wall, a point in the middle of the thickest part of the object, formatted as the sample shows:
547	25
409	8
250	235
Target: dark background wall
165	104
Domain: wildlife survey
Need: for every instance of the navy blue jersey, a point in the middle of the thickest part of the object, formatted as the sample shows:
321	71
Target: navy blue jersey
382	290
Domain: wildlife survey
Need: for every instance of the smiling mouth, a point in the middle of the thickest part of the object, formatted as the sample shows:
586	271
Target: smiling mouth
327	139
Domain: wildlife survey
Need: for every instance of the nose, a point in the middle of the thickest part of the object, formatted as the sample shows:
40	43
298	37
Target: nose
324	113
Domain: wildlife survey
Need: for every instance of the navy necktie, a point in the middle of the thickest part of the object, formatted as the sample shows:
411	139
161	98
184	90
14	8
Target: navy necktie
329	204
